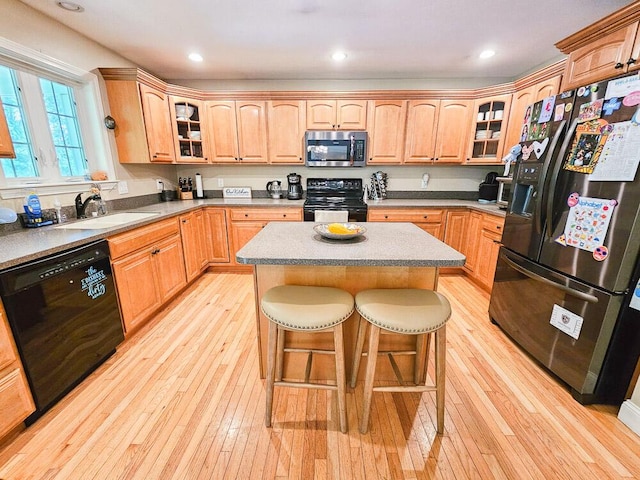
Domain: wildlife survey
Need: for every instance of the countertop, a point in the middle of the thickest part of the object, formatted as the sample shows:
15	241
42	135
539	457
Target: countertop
30	244
383	244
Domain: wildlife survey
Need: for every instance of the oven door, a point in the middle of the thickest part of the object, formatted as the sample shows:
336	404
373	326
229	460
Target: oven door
354	213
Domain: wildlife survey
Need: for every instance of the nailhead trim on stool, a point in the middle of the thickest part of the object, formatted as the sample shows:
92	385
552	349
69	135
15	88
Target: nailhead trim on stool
405	311
309	309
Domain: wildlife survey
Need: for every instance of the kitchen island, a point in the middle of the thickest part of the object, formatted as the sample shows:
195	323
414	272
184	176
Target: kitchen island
387	255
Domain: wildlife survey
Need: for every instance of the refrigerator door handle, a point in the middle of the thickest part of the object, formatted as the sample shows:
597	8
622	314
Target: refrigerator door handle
534	276
554	176
540	202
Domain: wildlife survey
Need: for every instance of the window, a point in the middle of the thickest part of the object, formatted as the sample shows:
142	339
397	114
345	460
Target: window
43	122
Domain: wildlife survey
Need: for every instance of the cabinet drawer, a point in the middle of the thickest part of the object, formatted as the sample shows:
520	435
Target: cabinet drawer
408	215
15	400
265	214
128	242
493	224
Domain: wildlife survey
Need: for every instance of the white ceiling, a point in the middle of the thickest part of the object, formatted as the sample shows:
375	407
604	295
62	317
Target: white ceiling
293	39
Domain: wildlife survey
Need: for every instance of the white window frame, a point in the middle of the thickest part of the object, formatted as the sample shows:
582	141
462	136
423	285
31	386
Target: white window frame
90	113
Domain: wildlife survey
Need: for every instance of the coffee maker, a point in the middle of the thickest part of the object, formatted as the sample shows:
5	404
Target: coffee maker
294	191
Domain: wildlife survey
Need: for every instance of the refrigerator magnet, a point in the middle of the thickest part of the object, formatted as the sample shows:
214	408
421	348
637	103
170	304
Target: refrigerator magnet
600	253
611	105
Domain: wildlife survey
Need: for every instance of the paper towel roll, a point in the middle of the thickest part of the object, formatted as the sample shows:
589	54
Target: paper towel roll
199	191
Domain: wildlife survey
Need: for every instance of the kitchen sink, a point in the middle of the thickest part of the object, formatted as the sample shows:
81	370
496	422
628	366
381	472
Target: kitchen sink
108	221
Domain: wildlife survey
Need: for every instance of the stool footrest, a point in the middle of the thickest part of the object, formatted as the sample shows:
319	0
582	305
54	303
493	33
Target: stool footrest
407	388
319	386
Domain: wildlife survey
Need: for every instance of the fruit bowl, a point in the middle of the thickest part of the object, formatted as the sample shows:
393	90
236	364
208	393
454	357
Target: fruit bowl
339	231
184	112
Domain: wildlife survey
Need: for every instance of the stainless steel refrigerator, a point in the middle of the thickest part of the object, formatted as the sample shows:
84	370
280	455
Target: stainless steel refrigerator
566	281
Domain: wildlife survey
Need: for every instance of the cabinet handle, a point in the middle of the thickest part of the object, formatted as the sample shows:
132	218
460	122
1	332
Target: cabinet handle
184	221
240	158
246	215
284	215
436	159
631	61
157	250
498	227
235	158
386	216
425	216
618	66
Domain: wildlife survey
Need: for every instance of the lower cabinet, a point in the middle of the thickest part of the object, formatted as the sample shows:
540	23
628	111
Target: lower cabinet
216	236
431	220
149	268
488	248
16	402
192	232
245	223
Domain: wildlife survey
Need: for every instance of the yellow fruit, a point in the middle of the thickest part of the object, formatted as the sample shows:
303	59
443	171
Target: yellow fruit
340	229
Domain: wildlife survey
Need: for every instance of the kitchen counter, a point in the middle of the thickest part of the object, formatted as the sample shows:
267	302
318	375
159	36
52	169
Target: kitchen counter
30	244
388	255
383	244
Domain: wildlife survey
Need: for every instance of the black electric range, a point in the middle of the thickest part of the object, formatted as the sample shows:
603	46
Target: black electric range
335	194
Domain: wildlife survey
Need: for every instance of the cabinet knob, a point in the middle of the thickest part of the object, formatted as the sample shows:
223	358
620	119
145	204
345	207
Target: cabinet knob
284	215
246	215
498	227
618	66
631	61
386	216
424	216
436	159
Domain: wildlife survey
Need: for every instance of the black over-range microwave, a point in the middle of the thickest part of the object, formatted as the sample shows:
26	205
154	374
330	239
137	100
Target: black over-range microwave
335	149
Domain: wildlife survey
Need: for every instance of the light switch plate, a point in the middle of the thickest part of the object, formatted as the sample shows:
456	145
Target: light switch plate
123	187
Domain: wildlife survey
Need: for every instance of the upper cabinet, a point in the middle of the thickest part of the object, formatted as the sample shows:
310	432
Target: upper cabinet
490	124
188	130
387	121
605	49
143	131
287	125
6	145
336	114
520	100
437	131
237	131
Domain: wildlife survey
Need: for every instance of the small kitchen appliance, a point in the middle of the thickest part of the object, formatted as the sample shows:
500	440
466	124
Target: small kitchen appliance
488	190
335	149
274	189
335	195
294	191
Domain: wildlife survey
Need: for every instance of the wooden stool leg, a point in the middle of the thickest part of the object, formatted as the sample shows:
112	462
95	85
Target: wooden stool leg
271	359
421	358
441	354
341	380
280	354
362	331
372	357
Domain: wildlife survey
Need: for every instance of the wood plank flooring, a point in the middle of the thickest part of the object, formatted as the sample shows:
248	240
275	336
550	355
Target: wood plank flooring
183	400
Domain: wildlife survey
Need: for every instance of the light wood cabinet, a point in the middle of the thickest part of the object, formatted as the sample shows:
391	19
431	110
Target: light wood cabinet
188	130
611	55
336	114
245	223
431	220
286	122
16	402
192	233
437	131
488	248
6	144
455	234
387	123
216	236
520	100
149	268
489	129
474	223
143	131
237	131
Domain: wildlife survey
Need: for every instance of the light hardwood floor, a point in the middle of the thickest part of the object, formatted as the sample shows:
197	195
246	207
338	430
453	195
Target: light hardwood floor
183	400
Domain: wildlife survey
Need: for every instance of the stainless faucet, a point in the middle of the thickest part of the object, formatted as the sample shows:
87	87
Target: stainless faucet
81	206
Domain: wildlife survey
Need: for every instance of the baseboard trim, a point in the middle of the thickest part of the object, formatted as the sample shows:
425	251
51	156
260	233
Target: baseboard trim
629	414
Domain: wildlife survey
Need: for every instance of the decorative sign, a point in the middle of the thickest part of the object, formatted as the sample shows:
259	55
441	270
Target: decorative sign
566	321
93	283
236	192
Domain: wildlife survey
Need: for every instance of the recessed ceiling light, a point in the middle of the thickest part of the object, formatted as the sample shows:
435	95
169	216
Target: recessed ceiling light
70	7
487	54
195	57
339	56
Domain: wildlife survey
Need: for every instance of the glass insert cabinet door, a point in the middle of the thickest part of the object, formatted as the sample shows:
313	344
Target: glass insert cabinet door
188	130
490	123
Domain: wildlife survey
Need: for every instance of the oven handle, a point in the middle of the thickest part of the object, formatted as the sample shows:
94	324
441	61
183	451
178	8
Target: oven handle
534	276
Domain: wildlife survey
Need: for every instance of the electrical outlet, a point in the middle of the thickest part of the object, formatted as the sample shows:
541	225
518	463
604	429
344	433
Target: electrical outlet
220	182
159	184
425	180
123	187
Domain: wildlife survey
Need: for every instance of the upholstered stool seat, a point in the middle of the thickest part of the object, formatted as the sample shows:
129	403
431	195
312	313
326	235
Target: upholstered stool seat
309	309
409	312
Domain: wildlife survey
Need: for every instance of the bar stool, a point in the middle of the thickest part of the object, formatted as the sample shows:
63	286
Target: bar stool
410	312
308	309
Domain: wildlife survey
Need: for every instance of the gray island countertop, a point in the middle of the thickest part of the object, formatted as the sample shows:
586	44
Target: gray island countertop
383	244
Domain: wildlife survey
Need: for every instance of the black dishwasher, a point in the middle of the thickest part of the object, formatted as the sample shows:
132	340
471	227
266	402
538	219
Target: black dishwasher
65	319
